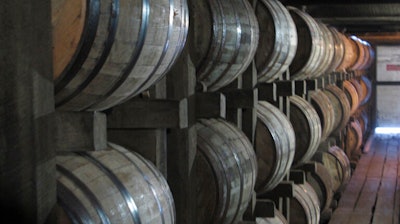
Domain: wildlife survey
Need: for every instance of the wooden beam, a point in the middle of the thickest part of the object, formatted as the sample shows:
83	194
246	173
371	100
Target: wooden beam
381	38
80	131
149	113
210	105
264	208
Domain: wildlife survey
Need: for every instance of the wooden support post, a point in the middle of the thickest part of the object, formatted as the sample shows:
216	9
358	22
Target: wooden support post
313	84
246	100
233	114
322	81
285	88
210	105
297	176
264	208
147	135
339	80
281	195
309	167
181	82
27	155
300	88
267	92
283	189
80	131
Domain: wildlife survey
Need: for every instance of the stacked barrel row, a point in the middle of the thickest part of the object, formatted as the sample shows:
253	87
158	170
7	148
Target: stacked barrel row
105	52
121	48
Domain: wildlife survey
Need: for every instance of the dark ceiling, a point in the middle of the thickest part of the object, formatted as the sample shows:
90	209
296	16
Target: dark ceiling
354	16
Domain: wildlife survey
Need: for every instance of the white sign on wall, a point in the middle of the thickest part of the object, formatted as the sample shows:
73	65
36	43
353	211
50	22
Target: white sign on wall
388	63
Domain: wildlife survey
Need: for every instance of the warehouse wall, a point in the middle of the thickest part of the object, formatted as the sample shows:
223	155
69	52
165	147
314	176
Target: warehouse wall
388	86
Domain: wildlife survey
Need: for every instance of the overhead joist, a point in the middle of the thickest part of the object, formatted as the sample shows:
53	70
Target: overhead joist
390	38
371	17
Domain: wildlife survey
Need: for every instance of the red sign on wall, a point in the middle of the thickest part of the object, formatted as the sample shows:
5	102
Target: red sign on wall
390	67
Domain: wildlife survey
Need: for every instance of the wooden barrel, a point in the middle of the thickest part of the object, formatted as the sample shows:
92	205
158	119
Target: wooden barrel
324	108
350	53
225	171
338	50
362	54
359	89
353	141
321	181
368	55
352	96
278	40
277	219
338	164
366	90
224	38
112	186
309	56
329	50
307	128
107	53
362	118
304	207
340	105
371	55
275	146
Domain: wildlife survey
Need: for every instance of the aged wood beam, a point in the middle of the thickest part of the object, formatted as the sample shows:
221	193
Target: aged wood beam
80	131
149	113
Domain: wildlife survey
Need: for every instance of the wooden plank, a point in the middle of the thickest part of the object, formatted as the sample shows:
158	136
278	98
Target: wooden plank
385	201
361	216
385	218
396	209
390	169
241	98
362	167
352	192
398	160
368	195
149	113
376	166
341	216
